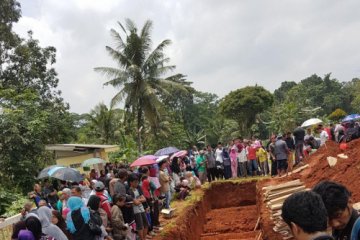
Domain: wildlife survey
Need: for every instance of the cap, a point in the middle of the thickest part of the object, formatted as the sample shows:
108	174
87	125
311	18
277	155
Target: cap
99	186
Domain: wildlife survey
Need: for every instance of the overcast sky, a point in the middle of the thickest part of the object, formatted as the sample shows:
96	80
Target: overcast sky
219	45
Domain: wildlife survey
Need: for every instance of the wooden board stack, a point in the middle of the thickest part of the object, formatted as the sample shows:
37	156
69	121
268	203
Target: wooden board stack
274	197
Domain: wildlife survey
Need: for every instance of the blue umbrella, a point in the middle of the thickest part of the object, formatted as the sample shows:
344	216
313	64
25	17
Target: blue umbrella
66	174
45	172
351	117
166	151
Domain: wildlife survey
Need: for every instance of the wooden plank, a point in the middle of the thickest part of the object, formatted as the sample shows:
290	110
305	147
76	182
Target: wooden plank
286	192
300	168
279	199
257	223
273	187
282	189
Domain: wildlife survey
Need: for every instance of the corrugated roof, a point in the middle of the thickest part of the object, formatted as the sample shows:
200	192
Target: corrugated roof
71	147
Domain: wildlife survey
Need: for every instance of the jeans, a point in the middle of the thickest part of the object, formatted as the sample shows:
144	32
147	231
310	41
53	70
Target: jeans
264	167
253	167
167	199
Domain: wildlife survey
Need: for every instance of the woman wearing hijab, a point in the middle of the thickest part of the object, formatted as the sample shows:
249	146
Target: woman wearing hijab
59	221
45	216
77	220
33	224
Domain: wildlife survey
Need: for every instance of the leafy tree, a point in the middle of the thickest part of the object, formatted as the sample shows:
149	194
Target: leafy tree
281	93
244	104
314	91
337	114
140	76
33	112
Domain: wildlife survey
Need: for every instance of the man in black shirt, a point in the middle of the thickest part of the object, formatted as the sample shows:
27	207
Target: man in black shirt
306	215
337	201
299	134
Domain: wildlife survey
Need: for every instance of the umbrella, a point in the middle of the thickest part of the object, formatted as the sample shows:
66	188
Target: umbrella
159	159
144	160
179	154
92	161
66	174
166	151
311	122
44	173
351	117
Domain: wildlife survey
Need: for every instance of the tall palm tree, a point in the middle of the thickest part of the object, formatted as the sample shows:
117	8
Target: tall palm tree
140	76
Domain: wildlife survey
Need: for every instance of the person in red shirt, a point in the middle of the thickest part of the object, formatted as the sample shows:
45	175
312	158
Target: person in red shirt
251	156
104	203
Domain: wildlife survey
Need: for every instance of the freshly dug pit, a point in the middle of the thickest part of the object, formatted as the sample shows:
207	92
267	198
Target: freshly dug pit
227	211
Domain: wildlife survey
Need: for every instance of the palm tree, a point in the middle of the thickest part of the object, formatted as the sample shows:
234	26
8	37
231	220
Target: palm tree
140	76
103	123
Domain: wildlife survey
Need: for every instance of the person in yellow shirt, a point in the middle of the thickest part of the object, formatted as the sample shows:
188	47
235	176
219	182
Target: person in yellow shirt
262	157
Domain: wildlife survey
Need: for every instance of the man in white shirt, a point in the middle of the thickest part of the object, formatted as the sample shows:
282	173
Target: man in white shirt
324	136
219	161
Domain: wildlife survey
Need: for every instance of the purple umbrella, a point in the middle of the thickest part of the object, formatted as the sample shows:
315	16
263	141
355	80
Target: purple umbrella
166	151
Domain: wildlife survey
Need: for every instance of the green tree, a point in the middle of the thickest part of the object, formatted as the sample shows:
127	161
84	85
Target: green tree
337	115
33	112
140	76
105	123
244	104
281	93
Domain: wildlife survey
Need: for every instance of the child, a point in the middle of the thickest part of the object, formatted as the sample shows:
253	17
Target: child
139	206
117	221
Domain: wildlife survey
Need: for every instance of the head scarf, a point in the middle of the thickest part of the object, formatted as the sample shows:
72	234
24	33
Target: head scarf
94	202
48	228
76	203
25	235
33	224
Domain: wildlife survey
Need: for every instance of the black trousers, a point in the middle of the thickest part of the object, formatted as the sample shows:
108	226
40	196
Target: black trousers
211	174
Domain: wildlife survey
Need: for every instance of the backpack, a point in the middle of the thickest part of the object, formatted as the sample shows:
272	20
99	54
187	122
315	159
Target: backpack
95	223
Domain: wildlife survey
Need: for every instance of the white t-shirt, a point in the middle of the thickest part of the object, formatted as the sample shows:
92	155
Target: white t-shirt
324	136
218	154
242	156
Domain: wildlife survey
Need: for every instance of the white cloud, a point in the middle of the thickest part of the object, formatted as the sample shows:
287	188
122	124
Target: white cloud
220	45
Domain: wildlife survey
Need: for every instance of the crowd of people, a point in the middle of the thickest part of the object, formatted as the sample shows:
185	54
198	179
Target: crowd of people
120	202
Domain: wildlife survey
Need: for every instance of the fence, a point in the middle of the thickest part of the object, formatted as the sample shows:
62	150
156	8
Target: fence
6	226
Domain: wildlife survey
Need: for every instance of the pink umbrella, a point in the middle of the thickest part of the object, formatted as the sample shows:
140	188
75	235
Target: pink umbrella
144	160
179	154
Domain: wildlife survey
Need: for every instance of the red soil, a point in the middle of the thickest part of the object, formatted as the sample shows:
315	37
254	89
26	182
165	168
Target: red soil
346	172
230	223
227	211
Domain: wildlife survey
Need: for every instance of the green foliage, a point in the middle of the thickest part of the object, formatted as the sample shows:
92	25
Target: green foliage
244	104
33	112
337	114
11	202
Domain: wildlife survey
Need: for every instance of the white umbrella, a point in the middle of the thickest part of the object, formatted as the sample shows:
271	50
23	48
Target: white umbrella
311	122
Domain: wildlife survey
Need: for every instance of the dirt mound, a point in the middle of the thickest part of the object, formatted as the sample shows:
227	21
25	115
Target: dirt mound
346	172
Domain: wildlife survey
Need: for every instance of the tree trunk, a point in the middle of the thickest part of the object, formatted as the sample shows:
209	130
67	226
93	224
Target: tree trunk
139	125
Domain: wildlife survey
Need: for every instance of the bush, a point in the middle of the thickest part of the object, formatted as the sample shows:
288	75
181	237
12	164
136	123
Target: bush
11	202
337	114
